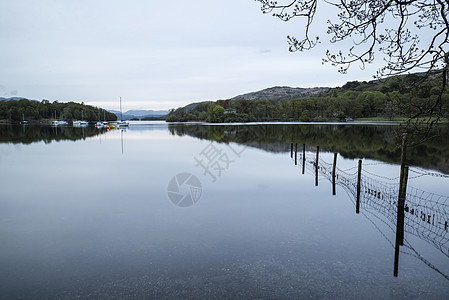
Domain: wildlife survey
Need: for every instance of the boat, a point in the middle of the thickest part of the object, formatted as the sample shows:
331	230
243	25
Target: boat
101	124
81	123
58	123
121	123
23	122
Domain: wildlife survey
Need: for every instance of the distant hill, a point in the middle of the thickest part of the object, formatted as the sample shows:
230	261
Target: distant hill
191	106
366	99
15	98
272	93
130	114
282	92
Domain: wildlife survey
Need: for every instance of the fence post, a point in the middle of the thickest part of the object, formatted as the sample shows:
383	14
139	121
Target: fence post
402	191
334	192
316	164
400	219
291	150
359	179
401	205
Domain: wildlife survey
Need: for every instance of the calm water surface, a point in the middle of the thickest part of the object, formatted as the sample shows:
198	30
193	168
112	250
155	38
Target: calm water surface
209	211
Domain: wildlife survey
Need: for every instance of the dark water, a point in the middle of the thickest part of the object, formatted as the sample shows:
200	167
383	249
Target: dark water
210	211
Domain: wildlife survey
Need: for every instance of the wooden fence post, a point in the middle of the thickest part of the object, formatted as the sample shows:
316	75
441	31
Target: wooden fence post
359	183
400	220
401	206
402	191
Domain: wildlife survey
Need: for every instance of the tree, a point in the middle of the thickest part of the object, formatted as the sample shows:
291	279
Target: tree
217	114
412	35
305	116
390	26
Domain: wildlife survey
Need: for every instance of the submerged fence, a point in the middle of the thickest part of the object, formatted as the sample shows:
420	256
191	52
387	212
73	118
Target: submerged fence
423	214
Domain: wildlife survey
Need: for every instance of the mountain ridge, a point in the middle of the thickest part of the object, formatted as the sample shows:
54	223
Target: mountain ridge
281	92
139	113
271	93
16	99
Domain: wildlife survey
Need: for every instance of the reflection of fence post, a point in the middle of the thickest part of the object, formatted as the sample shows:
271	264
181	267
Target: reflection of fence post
296	154
316	164
303	158
396	256
334	192
359	179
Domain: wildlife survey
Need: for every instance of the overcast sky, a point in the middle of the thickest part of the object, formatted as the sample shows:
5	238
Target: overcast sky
153	54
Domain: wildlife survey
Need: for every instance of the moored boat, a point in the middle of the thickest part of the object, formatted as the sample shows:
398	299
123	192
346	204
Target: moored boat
121	123
58	122
80	123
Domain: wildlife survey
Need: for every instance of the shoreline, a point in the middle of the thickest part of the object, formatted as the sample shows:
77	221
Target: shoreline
373	121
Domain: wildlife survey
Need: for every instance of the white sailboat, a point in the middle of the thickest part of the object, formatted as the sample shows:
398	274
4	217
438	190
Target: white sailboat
121	123
23	122
82	122
99	123
58	122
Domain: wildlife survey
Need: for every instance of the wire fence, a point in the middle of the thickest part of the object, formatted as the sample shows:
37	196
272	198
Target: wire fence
426	214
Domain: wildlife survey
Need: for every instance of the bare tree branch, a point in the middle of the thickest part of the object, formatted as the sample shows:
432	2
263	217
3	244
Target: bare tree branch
411	35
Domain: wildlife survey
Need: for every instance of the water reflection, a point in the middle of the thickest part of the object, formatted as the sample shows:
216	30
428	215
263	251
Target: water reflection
122	140
47	134
350	141
419	213
423	214
261	231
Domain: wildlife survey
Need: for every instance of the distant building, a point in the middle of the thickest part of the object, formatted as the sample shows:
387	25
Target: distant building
230	111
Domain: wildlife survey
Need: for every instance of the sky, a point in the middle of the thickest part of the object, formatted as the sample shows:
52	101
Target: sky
154	54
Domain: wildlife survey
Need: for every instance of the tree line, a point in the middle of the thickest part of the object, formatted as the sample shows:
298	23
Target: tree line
393	98
16	110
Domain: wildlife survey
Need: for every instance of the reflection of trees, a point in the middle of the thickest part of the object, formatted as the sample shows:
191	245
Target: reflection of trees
47	134
424	215
377	142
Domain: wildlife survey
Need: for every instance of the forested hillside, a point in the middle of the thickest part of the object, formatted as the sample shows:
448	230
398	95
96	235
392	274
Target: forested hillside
388	99
34	111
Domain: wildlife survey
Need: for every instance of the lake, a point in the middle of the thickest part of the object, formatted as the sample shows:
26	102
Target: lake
221	211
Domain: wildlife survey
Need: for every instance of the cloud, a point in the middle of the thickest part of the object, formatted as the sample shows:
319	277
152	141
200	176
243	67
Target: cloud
160	54
6	93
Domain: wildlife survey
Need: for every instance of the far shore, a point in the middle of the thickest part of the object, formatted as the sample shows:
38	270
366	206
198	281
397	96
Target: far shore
379	120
